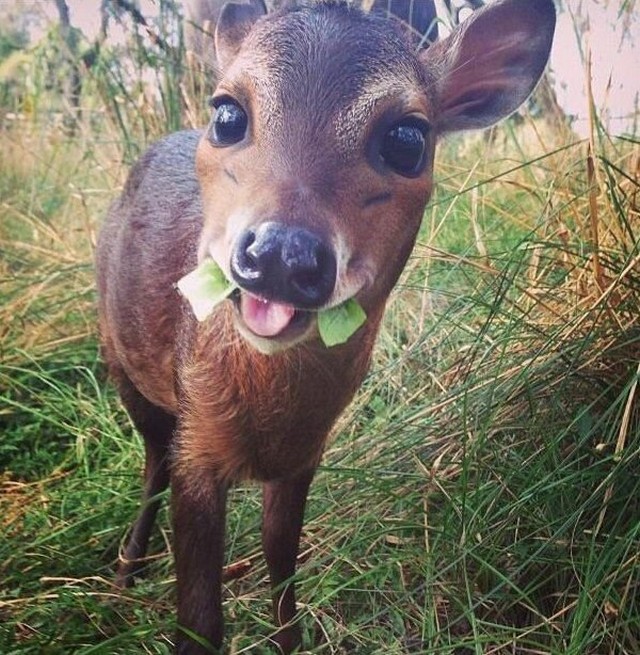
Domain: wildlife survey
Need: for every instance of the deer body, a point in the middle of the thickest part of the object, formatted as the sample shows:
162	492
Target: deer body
307	189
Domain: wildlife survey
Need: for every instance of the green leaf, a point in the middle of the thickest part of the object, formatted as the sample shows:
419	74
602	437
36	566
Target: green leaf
205	287
337	324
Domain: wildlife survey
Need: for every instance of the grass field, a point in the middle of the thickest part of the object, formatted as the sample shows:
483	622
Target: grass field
482	493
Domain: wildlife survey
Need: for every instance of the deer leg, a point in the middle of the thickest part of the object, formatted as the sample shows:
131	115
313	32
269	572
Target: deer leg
198	510
282	516
156	427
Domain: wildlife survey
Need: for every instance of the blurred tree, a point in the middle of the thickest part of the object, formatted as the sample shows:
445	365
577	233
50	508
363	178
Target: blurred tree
11	39
15	21
72	82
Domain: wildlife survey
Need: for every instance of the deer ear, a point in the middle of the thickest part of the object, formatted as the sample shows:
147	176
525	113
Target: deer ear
488	66
234	23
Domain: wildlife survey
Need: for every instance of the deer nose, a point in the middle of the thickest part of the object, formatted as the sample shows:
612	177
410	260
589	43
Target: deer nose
284	263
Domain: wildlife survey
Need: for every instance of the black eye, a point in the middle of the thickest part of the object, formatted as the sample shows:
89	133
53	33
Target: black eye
404	145
229	122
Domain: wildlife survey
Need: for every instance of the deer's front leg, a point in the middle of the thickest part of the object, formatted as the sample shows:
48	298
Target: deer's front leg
198	508
282	516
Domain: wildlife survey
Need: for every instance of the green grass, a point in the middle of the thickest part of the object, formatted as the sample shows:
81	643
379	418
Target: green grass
482	492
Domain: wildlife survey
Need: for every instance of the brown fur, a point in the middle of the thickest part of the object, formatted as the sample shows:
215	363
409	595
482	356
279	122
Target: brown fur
294	402
321	85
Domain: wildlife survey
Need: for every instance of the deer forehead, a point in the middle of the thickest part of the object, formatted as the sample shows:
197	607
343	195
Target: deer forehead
320	75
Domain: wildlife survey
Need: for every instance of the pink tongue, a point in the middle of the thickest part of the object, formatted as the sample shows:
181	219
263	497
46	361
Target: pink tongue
266	318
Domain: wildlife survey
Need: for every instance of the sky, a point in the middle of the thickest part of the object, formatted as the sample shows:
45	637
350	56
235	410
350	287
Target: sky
615	67
615	64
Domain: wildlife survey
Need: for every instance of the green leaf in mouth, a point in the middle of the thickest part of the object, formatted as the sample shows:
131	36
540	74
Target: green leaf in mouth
336	325
205	287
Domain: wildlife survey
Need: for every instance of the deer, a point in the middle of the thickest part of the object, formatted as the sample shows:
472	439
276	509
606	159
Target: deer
307	189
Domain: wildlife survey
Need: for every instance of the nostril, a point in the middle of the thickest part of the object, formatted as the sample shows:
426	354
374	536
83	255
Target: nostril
313	272
245	264
251	251
307	281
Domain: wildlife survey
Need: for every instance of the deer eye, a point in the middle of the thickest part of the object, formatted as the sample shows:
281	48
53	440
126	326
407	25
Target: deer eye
404	146
229	122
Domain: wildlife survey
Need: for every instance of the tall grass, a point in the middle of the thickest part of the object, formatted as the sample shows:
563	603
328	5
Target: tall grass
481	494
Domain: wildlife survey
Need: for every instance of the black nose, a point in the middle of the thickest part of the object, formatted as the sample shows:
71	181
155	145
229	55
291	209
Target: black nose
284	263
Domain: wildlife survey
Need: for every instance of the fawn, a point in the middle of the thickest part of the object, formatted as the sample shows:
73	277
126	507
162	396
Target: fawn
307	189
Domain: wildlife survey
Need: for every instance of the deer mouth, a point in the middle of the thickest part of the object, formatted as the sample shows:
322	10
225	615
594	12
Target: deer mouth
270	319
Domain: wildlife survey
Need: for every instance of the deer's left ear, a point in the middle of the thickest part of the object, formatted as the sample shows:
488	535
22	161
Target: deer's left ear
234	23
488	66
